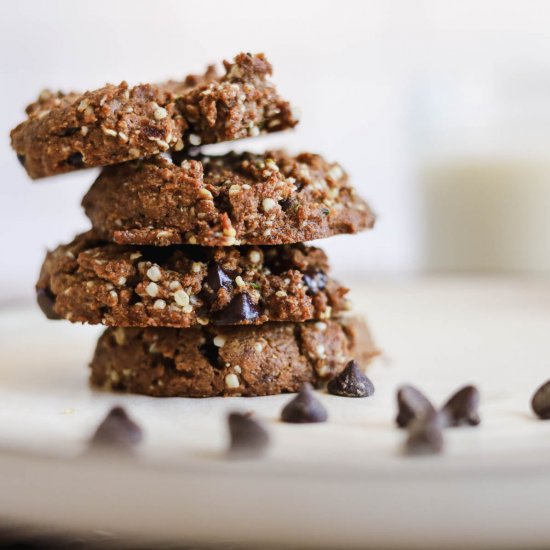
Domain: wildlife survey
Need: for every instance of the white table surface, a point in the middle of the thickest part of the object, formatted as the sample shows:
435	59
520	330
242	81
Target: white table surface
340	484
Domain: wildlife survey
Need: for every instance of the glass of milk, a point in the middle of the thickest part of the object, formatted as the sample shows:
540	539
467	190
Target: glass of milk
483	151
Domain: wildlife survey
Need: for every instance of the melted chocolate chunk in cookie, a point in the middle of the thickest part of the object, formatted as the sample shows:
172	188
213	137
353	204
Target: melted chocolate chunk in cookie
69	131
217	277
76	160
315	281
240	309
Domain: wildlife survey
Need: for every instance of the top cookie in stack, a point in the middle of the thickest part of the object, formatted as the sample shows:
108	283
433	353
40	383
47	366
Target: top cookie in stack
184	245
115	124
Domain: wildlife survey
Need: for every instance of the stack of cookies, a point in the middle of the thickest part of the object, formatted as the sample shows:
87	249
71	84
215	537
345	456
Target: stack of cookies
196	263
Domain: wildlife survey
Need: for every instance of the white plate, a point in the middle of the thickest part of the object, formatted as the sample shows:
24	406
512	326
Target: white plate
340	484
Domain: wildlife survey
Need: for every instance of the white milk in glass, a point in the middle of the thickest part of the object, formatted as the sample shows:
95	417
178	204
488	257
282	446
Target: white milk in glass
483	159
486	214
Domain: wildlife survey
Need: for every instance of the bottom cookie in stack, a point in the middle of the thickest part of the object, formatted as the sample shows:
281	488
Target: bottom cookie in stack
208	361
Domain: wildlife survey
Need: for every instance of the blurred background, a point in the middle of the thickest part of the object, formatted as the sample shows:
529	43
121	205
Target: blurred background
439	110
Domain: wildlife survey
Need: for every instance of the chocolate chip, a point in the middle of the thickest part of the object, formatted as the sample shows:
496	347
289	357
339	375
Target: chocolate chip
304	408
76	160
117	432
240	308
411	404
248	437
179	156
69	131
211	352
351	382
315	280
152	132
165	363
21	159
46	301
277	261
286	204
462	407
217	277
541	401
299	185
425	435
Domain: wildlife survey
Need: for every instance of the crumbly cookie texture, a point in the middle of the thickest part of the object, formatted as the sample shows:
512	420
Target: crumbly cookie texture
113	124
95	282
263	199
210	361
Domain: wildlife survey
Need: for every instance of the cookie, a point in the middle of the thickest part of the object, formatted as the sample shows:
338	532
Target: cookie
95	282
266	199
209	361
113	124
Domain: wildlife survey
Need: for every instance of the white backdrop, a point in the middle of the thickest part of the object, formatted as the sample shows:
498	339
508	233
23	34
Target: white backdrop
353	67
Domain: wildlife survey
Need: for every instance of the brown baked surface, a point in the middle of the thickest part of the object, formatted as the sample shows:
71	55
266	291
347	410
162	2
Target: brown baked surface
113	124
180	286
263	199
210	361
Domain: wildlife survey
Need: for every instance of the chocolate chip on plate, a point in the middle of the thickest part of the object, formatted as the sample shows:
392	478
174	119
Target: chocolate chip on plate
425	435
117	432
411	404
304	408
351	382
240	308
540	401
462	407
46	301
249	438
